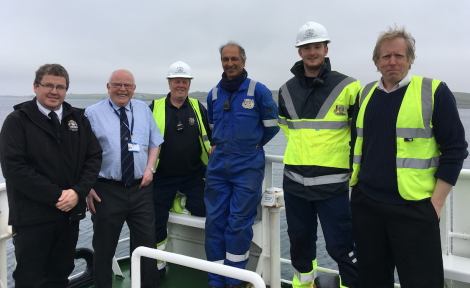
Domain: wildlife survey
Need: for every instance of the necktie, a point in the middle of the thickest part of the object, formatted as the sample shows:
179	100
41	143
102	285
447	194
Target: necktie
55	123
127	157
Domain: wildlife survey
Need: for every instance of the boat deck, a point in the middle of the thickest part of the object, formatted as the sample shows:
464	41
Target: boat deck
176	276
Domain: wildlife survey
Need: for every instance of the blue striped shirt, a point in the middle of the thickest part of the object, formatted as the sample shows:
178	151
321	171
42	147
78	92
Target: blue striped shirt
106	125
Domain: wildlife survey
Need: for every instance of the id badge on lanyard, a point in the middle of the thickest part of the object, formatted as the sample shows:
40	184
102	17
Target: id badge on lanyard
133	146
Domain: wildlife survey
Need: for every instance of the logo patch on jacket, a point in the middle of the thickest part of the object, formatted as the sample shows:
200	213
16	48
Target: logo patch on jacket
73	125
248	104
340	110
192	121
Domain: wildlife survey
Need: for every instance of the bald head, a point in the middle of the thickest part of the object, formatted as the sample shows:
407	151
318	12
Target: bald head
119	72
121	87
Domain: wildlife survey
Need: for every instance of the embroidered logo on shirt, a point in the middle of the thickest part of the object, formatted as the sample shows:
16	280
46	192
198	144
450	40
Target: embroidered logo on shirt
340	110
192	121
248	104
73	125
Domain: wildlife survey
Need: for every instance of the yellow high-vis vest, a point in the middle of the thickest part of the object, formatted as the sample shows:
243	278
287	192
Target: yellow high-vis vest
323	141
159	116
417	150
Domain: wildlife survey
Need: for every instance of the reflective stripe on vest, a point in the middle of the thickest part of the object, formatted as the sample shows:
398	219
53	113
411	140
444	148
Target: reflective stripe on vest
323	140
306	124
251	90
237	258
330	100
366	91
319	180
417	150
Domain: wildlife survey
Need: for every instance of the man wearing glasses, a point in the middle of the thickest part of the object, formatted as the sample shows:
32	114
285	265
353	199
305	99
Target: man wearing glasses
179	185
50	160
130	138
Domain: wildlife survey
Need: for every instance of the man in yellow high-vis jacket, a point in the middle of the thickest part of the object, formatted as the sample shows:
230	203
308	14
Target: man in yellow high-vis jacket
408	152
315	107
178	182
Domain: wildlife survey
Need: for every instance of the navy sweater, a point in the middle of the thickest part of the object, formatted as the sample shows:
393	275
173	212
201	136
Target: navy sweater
378	175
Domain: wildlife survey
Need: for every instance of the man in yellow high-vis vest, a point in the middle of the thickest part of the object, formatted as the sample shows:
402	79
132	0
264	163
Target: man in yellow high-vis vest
315	107
178	182
408	152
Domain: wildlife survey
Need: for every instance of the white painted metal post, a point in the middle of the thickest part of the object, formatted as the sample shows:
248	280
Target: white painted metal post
275	252
191	262
3	263
5	234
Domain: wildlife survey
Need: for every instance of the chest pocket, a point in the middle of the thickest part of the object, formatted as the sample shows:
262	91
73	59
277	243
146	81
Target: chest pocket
247	119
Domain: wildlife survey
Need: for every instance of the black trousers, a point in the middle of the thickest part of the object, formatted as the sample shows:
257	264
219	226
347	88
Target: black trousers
335	219
164	192
45	253
119	204
402	236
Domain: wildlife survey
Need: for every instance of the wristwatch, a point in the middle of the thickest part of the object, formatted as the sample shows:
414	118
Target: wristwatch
152	169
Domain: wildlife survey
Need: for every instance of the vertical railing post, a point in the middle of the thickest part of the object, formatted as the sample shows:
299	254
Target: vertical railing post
3	264
275	252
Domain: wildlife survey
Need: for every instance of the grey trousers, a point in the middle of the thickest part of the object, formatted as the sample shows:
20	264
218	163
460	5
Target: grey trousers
119	204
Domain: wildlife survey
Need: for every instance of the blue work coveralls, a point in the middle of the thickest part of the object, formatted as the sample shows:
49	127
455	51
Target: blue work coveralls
235	171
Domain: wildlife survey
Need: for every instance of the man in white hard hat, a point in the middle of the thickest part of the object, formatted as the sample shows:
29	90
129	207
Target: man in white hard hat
178	182
315	107
408	152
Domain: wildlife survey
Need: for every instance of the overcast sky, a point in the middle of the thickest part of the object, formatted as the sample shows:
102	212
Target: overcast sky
93	38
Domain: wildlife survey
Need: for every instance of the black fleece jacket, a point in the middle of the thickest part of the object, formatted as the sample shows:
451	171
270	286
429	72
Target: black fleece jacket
37	166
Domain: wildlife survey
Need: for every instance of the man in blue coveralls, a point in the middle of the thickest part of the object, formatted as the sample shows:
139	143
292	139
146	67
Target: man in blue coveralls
243	117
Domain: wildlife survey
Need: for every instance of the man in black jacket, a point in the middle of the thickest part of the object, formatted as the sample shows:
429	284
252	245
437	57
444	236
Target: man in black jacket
50	159
315	107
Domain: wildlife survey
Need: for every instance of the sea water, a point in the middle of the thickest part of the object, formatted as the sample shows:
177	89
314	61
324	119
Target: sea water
276	146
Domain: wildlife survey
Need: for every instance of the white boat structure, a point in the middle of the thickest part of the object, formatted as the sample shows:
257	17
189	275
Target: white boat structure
186	237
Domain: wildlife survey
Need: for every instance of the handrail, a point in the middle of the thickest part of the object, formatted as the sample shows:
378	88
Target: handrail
191	262
464	174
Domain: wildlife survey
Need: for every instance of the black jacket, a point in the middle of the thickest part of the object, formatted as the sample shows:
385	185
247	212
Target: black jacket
307	100
37	166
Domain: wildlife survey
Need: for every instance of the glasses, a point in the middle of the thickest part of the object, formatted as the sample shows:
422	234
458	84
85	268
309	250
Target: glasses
50	87
119	85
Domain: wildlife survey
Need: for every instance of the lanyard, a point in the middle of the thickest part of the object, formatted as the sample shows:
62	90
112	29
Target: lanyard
132	112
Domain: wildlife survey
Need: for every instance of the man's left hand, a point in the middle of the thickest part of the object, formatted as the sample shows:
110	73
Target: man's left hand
67	200
147	178
437	207
439	196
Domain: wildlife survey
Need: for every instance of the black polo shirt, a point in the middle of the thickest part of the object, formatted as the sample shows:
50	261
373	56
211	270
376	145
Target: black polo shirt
180	154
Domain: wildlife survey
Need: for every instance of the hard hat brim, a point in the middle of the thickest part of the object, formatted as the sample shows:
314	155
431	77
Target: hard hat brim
327	40
182	76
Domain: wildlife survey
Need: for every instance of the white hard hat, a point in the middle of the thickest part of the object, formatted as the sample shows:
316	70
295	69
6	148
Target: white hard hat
311	32
179	70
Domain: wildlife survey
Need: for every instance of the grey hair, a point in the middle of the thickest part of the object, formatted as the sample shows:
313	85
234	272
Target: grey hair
109	81
233	43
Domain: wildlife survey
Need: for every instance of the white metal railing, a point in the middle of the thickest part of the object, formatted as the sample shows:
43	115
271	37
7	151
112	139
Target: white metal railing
194	263
272	253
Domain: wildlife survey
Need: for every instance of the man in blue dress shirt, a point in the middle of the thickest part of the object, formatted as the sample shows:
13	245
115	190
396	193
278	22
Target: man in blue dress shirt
130	138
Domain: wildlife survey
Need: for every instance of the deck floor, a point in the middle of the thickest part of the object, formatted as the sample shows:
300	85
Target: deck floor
176	276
